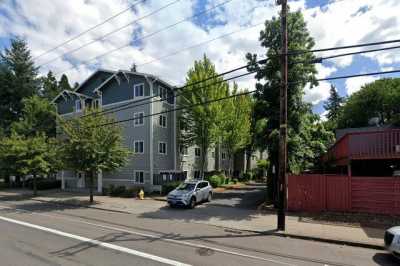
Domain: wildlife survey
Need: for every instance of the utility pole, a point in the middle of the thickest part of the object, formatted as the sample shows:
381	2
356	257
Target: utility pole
283	120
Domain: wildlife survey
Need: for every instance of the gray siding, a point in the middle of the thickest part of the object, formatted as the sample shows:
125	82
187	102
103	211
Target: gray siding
122	89
90	85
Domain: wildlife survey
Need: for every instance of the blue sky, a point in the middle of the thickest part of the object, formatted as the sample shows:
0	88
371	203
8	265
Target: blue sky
330	22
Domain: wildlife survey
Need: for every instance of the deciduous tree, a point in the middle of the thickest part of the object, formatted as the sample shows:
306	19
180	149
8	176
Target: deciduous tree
91	147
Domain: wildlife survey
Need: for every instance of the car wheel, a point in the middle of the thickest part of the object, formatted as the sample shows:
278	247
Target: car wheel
209	198
192	203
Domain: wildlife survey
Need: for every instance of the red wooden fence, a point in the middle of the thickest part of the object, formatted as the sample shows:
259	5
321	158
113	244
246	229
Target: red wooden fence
315	193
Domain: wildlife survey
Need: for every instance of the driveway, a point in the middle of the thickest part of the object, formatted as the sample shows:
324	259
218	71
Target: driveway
247	197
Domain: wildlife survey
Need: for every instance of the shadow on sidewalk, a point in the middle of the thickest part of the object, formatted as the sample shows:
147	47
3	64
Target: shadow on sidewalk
385	259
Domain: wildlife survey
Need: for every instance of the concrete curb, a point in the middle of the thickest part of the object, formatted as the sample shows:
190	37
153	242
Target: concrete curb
331	241
279	233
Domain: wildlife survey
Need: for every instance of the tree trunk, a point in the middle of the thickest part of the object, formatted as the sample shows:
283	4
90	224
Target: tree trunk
248	161
34	185
91	186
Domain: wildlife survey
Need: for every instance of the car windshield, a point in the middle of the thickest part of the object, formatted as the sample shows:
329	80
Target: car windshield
186	186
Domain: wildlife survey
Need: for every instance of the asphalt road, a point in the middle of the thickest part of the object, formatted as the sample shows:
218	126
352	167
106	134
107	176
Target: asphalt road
36	233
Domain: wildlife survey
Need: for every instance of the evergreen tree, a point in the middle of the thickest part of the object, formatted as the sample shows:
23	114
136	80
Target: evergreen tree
268	91
64	83
50	88
333	104
133	67
18	79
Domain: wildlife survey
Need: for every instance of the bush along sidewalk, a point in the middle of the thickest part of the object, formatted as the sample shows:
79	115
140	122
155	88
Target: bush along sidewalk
121	191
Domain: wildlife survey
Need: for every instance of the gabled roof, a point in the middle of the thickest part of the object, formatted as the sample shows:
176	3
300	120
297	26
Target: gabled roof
132	73
114	75
67	92
92	75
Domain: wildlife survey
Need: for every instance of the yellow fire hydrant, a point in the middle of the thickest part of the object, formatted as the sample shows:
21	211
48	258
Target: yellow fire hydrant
141	194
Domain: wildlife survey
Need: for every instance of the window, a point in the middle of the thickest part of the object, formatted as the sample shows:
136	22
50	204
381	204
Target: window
139	177
78	105
163	93
196	174
184	150
96	103
223	156
162	121
139	90
213	154
162	148
139	146
138	119
197	152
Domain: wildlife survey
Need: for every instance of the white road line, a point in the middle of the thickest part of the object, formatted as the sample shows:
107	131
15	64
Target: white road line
179	242
96	242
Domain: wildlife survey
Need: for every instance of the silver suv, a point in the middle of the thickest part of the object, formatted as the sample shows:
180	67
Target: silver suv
190	193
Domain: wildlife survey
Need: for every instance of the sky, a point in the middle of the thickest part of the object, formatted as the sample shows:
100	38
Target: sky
147	39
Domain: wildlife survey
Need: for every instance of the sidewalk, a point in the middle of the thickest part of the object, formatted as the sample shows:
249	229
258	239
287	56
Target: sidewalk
233	218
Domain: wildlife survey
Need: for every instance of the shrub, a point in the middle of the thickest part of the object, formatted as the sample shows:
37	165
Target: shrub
168	187
117	191
235	181
247	176
217	180
130	193
43	184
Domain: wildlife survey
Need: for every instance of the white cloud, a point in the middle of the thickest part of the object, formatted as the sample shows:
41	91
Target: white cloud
317	94
338	23
354	84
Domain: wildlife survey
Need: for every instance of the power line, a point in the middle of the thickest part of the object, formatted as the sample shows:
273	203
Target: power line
183	87
89	29
109	33
147	36
317	60
360	75
199	44
244	93
121	108
297	52
360	52
179	108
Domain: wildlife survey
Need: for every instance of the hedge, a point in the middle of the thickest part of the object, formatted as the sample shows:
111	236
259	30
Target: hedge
168	187
43	184
120	191
216	180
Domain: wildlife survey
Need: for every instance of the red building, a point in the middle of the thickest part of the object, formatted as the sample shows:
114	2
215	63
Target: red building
370	151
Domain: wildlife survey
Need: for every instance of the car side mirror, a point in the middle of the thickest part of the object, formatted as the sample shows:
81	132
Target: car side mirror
197	189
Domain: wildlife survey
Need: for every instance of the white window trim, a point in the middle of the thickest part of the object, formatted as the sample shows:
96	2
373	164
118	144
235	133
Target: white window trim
166	121
166	98
134	144
195	155
134	120
134	176
166	148
82	106
134	90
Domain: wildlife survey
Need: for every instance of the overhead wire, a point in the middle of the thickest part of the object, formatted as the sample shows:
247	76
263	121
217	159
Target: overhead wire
89	29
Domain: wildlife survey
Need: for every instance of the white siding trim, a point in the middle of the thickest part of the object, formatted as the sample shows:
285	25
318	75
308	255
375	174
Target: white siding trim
166	148
134	121
134	144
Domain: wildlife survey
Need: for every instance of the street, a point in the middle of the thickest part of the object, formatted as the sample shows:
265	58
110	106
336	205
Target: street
37	233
